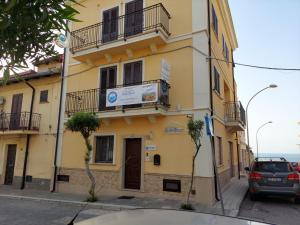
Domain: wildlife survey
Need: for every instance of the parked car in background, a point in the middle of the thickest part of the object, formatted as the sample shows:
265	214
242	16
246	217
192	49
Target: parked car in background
273	176
296	166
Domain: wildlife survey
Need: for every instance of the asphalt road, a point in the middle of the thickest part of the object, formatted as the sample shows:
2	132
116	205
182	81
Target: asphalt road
30	212
274	210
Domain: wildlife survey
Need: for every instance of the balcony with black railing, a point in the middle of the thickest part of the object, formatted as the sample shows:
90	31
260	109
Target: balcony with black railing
113	29
15	122
146	98
235	116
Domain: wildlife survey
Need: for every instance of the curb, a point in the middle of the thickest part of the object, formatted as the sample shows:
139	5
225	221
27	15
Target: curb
94	204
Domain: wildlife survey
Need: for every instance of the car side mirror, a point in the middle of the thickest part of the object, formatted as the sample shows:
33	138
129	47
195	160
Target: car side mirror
247	169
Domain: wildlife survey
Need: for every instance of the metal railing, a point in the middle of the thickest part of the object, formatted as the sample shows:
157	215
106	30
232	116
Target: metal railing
235	112
19	121
94	100
123	27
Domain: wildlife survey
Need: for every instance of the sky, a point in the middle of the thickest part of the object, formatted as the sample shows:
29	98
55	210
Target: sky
268	33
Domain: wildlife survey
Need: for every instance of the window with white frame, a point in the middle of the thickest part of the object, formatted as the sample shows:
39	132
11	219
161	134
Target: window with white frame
217	80
225	49
104	149
215	20
218	151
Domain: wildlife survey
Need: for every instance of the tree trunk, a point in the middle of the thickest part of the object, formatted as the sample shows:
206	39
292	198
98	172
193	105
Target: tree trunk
88	171
192	176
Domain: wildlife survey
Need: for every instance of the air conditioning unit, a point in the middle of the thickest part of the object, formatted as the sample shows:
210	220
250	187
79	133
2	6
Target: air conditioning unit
2	100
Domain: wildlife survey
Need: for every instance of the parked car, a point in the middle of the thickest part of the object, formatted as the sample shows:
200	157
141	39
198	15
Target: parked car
273	176
164	217
296	166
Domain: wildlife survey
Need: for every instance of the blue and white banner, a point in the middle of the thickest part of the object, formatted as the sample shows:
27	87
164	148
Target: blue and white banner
138	94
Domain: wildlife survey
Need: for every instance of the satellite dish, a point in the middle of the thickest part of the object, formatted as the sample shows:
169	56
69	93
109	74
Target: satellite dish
61	41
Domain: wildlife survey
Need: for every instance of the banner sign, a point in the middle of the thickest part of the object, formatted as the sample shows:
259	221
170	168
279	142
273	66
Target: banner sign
165	70
209	126
139	94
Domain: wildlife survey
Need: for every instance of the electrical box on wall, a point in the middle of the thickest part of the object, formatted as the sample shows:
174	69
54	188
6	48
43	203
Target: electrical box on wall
156	160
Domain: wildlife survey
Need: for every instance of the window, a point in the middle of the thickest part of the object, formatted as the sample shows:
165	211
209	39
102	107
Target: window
44	96
217	80
225	49
215	20
172	185
219	151
104	149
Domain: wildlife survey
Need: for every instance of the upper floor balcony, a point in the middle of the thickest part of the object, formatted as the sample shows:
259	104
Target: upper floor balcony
122	34
18	123
148	98
235	117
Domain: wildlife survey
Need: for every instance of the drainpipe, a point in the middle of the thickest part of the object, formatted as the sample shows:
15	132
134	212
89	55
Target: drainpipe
236	133
28	135
59	120
211	94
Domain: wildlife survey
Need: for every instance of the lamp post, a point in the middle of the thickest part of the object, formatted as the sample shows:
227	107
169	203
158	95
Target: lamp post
247	126
257	136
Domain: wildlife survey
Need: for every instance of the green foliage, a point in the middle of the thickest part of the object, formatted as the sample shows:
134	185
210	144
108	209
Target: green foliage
91	198
83	122
27	29
195	128
187	206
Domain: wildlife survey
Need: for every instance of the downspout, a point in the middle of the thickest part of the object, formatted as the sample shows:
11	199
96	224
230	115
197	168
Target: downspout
211	94
28	135
234	97
59	120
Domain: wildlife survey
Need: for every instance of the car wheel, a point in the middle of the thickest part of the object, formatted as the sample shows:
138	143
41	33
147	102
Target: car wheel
253	197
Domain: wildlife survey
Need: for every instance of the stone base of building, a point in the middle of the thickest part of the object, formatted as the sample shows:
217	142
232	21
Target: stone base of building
110	183
32	183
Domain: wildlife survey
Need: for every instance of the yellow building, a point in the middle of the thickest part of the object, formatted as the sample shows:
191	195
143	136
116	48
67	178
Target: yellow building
28	121
144	67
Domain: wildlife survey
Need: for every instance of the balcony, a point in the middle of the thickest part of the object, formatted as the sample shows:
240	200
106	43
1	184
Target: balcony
18	123
235	119
147	98
146	27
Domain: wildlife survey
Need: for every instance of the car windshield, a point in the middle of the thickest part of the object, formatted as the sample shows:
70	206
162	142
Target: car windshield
294	164
272	167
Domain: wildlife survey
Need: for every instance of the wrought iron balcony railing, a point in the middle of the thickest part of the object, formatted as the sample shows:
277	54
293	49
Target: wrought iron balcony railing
235	112
94	100
19	121
122	27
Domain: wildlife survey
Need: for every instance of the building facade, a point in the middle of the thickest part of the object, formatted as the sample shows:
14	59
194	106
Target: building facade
144	70
28	121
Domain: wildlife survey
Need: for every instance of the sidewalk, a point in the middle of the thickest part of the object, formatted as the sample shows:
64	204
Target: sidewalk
233	195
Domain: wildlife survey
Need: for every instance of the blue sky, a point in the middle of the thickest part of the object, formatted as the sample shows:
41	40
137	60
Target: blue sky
268	33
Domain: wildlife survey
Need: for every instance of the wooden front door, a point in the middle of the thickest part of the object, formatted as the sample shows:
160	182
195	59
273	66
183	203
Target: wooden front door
231	156
16	109
10	164
133	163
133	75
133	17
108	79
110	25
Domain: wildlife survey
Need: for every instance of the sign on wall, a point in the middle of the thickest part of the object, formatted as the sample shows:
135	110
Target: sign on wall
138	94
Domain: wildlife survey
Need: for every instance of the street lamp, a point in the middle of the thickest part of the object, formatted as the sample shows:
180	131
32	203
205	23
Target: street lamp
257	134
247	126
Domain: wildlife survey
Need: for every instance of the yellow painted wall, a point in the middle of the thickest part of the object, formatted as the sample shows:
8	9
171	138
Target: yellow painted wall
42	144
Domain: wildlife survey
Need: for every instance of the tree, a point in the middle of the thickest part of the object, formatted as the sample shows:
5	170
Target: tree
28	28
195	128
85	123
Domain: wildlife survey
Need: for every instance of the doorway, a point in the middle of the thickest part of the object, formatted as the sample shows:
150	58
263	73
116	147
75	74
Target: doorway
231	157
16	109
10	164
108	79
133	17
133	163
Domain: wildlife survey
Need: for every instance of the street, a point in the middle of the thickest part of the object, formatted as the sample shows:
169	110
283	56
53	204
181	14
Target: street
275	210
30	212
